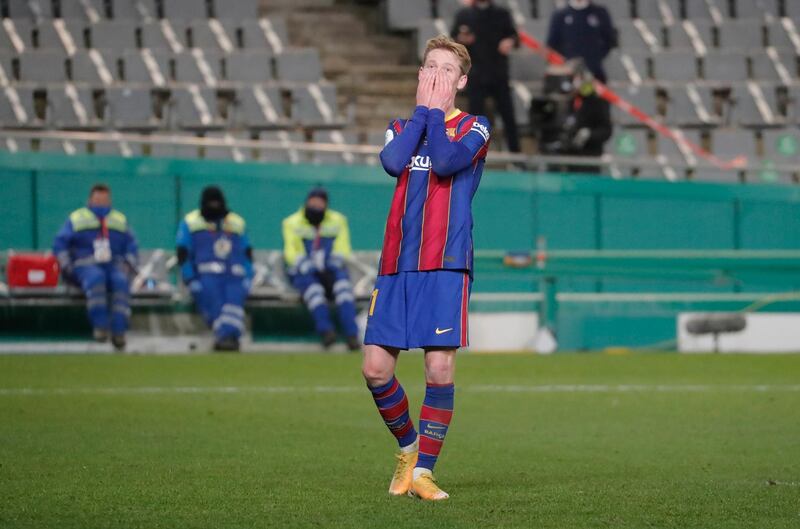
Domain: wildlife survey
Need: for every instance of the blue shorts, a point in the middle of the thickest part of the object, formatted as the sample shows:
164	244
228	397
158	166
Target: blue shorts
410	310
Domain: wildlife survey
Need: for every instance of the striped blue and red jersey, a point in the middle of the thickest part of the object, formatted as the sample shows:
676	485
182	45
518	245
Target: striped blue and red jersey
438	161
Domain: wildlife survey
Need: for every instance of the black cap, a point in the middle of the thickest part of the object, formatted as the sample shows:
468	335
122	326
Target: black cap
212	203
319	192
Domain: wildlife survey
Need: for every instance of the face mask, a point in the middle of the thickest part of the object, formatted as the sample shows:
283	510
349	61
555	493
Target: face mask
213	211
100	211
315	216
579	4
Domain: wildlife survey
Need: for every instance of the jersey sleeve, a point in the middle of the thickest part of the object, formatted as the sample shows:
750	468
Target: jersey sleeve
402	140
293	248
449	157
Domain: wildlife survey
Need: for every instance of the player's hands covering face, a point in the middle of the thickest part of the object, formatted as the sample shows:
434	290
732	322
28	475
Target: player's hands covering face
425	87
444	93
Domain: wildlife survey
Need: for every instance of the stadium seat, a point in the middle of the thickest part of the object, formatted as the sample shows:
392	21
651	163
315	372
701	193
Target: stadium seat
782	146
315	105
71	107
724	67
642	97
339	138
259	107
185	9
753	9
75	10
627	146
144	66
648	10
43	66
195	108
209	34
118	35
680	35
622	66
15	35
671	156
542	9
63	35
264	34
774	65
630	37
92	66
18	107
152	35
778	37
197	66
729	143
160	149
248	66
117	148
238	10
27	9
742	35
675	66
620	10
131	108
121	9
755	105
69	147
298	65
405	14
283	154
690	106
229	152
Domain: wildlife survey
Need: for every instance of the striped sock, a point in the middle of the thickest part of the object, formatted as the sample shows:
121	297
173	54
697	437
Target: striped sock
437	410
393	406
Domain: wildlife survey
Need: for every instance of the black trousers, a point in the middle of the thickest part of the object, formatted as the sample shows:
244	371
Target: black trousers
500	92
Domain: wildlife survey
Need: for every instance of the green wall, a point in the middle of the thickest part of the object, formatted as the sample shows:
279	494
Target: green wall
511	209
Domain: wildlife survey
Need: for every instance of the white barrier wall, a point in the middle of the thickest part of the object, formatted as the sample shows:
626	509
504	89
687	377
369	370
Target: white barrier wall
766	332
502	331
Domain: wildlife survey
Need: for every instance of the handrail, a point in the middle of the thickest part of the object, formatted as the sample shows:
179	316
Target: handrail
538	162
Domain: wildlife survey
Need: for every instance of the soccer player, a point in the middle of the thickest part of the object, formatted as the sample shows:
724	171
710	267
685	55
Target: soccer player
425	277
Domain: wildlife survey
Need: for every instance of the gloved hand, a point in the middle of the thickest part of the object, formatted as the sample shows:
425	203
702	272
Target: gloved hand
195	286
581	137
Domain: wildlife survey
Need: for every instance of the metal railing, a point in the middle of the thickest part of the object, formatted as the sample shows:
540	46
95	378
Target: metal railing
607	164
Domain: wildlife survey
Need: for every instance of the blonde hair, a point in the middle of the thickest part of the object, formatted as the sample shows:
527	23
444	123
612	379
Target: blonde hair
443	42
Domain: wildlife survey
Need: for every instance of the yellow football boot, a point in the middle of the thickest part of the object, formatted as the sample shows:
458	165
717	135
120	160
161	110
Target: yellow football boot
403	473
425	488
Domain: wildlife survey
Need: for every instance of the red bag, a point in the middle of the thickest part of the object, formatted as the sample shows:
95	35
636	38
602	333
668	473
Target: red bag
31	270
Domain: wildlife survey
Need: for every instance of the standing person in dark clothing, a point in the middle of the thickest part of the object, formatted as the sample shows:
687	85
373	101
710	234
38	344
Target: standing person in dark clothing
583	30
489	35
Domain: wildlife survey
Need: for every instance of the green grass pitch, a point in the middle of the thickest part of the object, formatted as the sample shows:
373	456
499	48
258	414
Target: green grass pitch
568	441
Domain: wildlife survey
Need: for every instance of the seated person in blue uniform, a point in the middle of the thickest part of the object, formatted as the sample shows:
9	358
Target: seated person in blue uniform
216	258
316	242
97	251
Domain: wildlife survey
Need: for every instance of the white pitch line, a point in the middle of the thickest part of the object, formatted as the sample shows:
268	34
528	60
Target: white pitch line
547	388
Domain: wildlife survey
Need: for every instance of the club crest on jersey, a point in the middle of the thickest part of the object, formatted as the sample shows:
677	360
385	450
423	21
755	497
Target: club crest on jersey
451	132
420	163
